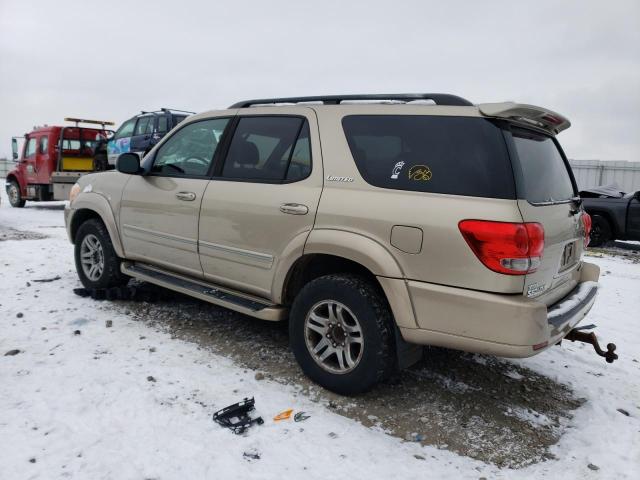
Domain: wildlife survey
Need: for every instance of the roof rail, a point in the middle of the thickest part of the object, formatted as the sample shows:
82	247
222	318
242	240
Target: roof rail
165	110
438	98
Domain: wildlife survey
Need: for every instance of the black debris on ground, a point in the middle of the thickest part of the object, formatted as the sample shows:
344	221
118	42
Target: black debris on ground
11	353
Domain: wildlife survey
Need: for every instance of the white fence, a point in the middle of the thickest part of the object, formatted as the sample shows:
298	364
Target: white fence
5	166
591	173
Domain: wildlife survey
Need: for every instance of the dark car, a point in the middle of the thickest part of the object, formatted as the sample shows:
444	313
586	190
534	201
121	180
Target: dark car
139	134
615	215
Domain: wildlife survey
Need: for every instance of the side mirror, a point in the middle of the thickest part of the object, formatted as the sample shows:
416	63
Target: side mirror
14	148
128	163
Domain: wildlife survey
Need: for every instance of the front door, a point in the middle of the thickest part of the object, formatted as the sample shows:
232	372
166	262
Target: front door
159	210
29	159
262	200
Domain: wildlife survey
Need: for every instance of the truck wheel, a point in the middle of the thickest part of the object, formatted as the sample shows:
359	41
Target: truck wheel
97	264
340	329
15	197
600	231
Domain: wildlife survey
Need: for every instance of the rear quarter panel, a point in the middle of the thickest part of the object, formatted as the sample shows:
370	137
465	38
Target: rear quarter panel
358	207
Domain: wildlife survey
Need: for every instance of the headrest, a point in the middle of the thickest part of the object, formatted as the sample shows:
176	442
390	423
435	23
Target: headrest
245	153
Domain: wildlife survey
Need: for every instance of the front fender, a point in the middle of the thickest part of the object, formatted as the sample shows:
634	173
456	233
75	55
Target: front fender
98	204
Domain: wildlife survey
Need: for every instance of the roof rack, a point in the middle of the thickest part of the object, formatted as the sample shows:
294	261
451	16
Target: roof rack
437	98
165	110
82	120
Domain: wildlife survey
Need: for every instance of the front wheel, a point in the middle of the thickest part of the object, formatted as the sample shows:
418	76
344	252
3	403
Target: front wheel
97	264
341	334
15	197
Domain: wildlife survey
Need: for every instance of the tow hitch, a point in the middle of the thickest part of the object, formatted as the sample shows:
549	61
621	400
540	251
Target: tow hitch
578	335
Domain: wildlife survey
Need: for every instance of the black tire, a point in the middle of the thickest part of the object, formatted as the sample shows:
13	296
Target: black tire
110	276
600	231
14	194
368	304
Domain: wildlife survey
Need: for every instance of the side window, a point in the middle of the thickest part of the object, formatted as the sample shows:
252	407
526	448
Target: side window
126	130
44	145
300	164
430	153
189	151
162	124
144	125
30	149
264	148
177	119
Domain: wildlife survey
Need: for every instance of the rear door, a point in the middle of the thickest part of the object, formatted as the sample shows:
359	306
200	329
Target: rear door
260	206
545	191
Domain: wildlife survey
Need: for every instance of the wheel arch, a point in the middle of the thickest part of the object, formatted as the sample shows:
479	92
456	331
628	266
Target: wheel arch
609	217
91	205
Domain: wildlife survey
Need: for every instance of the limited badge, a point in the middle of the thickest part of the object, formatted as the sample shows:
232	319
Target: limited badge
396	170
420	173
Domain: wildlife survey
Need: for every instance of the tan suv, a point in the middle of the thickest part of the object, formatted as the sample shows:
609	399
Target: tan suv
374	223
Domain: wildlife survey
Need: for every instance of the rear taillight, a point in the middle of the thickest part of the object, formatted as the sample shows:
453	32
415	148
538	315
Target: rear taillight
509	248
586	222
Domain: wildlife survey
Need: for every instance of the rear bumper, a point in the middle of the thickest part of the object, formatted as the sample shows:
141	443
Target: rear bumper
502	325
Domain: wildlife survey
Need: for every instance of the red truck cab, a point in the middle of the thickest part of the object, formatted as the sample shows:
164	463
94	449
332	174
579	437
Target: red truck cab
52	160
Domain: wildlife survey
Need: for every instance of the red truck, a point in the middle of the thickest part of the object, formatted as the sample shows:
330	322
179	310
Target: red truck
53	158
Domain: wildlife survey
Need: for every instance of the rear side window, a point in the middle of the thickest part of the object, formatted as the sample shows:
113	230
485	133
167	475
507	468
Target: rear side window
451	155
177	119
269	148
544	174
162	124
44	145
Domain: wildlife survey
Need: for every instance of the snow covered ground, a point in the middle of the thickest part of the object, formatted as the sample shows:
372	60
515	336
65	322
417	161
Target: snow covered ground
131	402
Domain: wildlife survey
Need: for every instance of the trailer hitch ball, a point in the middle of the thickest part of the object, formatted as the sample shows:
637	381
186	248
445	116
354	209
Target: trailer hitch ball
576	335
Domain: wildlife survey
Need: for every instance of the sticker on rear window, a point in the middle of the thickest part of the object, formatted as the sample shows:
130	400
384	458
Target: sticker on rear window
396	170
420	173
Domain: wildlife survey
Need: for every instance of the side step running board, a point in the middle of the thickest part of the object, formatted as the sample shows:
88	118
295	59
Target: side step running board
225	297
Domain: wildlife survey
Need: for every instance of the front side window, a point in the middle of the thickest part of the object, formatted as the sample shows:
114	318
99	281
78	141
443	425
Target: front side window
429	153
190	151
144	125
545	177
44	145
126	130
30	149
269	148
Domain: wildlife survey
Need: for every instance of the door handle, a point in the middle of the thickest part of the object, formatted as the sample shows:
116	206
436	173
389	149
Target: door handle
294	209
186	196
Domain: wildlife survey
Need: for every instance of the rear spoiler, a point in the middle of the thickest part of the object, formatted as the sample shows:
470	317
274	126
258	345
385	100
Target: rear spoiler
527	114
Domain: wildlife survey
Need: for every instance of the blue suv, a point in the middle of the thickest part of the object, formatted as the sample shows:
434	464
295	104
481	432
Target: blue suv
139	134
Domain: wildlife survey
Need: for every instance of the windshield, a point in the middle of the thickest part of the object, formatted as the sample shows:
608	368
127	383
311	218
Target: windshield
545	177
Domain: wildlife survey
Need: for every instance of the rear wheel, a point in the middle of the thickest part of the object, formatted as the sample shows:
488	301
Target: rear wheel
600	231
15	197
341	334
97	264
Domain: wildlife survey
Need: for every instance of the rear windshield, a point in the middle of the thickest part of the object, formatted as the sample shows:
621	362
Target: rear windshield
544	176
426	153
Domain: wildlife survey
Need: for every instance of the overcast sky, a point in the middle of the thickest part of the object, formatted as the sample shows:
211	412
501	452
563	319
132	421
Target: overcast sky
110	59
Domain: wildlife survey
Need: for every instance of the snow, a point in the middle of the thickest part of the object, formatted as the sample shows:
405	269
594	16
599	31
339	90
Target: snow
82	407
